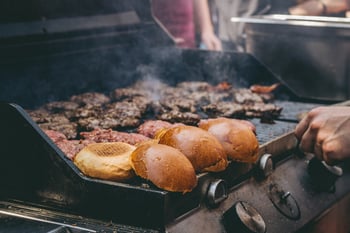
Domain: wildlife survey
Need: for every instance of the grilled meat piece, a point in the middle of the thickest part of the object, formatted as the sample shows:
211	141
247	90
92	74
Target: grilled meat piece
179	104
68	129
69	147
55	136
87	111
264	89
40	115
90	98
224	109
61	106
103	135
58	122
122	94
150	127
266	112
175	116
194	86
246	96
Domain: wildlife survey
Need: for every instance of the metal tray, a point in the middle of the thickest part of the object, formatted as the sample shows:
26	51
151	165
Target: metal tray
309	53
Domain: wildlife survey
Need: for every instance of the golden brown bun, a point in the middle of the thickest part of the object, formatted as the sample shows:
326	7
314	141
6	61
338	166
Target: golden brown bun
236	136
109	161
165	167
203	150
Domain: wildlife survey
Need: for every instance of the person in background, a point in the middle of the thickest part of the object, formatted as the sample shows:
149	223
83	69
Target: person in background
231	34
325	132
183	19
321	8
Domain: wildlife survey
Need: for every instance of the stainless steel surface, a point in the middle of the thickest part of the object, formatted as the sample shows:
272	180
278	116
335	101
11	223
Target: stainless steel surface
309	54
296	188
313	21
281	144
266	164
217	192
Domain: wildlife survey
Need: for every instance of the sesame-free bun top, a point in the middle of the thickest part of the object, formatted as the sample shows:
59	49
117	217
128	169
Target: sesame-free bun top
236	136
166	167
108	161
203	149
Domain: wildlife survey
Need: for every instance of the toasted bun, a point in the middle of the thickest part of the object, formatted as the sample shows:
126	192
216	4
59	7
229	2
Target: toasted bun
109	161
236	136
164	166
203	150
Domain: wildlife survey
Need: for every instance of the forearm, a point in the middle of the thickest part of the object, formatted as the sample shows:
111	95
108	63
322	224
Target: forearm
335	6
202	16
320	7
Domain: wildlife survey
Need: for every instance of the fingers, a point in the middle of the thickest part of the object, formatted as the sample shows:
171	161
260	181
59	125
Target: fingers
324	132
309	123
302	127
212	42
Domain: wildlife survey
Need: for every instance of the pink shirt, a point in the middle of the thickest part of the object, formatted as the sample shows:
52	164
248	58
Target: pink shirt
177	17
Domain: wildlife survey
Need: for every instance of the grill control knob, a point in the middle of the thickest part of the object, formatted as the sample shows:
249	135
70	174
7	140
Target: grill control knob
243	218
284	202
217	192
266	165
322	175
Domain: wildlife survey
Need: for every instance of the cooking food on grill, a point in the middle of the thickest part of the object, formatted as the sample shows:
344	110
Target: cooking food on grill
150	127
55	121
174	116
69	147
224	109
90	98
109	161
203	150
166	167
264	89
127	108
236	136
108	135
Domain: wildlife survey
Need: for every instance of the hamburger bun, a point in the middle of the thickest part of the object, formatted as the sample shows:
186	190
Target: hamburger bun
166	167
236	136
108	161
203	150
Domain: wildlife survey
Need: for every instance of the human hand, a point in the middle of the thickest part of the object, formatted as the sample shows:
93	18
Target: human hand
211	41
325	132
311	7
317	7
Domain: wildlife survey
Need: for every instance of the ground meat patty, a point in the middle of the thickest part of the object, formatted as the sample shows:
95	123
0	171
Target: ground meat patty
58	122
175	116
108	135
55	136
61	106
195	86
91	98
150	127
68	129
246	96
224	109
266	112
69	147
122	94
40	115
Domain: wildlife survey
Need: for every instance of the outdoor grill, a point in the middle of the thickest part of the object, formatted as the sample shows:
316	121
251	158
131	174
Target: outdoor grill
56	51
